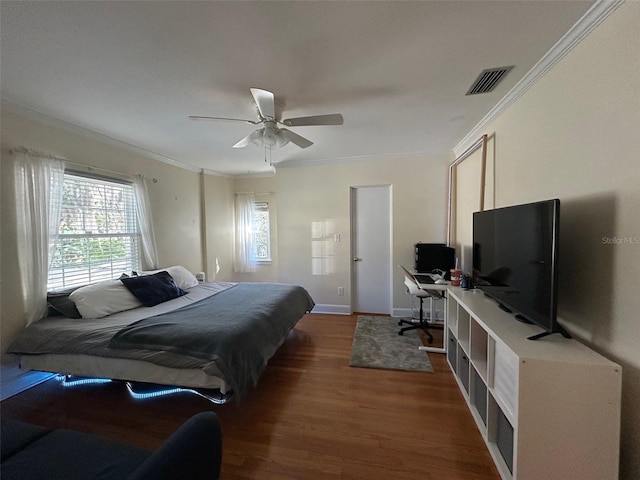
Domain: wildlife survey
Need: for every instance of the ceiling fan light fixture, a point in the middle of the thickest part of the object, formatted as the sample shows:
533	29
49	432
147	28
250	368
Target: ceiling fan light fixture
270	137
281	140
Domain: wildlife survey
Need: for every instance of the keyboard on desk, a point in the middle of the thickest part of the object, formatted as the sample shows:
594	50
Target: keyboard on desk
424	279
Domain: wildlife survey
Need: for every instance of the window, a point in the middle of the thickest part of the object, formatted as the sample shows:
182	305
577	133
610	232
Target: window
262	238
98	237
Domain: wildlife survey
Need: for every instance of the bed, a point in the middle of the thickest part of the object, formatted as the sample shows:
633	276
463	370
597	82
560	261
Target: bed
215	335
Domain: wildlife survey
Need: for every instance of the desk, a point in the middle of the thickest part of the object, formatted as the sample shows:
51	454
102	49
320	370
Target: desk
434	286
443	289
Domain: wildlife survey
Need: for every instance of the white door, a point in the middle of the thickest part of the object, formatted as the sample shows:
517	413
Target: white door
371	249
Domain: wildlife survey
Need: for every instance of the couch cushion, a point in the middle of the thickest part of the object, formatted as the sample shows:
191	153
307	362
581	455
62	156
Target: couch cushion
16	435
70	455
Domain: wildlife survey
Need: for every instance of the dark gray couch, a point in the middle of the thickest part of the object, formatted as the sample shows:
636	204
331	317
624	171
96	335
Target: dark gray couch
30	452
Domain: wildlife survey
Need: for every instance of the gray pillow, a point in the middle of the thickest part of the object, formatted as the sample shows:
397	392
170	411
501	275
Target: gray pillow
61	304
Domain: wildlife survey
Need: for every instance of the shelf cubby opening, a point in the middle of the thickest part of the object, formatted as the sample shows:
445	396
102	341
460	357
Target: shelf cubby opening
478	346
479	397
463	328
452	315
463	368
452	350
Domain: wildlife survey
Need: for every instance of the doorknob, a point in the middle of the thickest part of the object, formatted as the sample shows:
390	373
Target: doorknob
357	259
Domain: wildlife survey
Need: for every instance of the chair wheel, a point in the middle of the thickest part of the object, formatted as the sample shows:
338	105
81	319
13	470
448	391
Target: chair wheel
400	332
399	322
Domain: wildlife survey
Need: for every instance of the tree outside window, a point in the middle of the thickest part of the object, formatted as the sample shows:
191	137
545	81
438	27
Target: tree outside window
98	237
262	238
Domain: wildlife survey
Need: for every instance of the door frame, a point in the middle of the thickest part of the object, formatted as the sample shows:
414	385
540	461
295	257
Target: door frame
352	214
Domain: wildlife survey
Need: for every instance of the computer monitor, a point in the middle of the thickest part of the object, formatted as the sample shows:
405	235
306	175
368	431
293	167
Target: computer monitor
434	256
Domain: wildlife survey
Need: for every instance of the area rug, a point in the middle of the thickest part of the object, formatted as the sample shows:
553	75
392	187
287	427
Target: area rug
376	344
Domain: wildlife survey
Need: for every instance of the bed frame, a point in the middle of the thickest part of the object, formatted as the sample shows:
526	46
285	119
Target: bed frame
136	371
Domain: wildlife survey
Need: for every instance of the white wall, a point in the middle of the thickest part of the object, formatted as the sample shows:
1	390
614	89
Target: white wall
175	200
217	201
321	193
575	135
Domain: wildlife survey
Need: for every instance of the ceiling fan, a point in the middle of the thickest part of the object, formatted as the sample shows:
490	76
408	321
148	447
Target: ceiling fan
271	135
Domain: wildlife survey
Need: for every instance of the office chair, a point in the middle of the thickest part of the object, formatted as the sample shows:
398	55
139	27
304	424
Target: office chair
413	288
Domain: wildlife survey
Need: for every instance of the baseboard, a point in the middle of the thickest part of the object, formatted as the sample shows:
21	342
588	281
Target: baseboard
397	312
402	312
332	309
410	313
14	380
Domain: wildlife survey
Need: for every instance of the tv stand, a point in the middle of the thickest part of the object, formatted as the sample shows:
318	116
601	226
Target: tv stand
546	410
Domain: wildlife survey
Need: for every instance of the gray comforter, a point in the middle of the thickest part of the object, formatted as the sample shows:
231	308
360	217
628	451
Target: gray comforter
239	329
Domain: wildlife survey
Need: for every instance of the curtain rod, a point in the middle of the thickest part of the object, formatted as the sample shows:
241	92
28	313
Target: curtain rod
254	193
91	167
36	153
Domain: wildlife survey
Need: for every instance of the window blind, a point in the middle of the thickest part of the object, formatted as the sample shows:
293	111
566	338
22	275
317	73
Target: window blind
98	236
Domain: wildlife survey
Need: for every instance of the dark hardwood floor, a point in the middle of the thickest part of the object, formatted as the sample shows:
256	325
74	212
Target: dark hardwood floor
311	416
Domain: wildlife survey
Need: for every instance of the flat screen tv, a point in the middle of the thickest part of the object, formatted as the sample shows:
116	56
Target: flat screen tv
515	261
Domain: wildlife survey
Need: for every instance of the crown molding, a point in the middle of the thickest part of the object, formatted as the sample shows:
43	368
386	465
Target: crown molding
70	127
362	158
268	173
214	173
583	27
264	174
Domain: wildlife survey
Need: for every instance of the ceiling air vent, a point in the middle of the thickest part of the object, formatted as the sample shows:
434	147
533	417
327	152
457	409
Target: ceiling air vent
488	80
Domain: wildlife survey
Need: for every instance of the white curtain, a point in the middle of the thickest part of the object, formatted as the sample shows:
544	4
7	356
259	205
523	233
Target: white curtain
244	260
145	224
38	183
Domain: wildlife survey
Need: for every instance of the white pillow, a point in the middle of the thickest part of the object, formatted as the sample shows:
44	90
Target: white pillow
181	276
103	298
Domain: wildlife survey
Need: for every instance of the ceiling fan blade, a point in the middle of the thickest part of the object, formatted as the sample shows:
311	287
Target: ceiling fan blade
295	138
196	117
249	138
330	119
265	101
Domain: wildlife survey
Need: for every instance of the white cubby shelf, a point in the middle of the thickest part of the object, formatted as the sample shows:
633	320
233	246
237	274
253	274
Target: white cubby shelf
546	408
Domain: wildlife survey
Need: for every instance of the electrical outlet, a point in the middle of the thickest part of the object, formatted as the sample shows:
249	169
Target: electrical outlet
341	291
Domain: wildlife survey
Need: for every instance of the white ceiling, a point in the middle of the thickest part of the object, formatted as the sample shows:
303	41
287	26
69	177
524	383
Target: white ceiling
397	71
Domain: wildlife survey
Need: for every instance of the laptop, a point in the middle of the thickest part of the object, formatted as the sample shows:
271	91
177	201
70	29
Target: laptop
423	279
